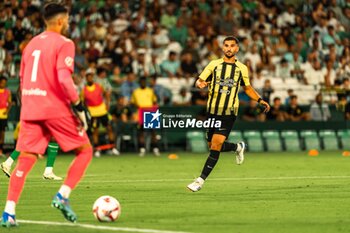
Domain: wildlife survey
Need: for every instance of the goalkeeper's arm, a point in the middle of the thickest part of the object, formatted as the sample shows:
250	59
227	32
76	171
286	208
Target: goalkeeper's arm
82	113
66	81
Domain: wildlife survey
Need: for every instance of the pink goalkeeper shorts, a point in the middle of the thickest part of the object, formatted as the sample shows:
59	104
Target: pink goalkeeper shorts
34	136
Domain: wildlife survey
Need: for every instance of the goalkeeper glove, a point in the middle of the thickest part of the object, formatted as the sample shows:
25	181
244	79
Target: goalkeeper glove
83	114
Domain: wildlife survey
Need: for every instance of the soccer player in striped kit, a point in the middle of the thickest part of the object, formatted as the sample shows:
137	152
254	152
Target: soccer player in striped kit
224	77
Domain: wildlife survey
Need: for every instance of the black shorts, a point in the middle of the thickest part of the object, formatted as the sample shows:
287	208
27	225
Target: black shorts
96	121
226	126
3	124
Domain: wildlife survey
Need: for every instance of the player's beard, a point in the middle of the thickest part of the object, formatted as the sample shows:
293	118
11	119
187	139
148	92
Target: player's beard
64	30
230	56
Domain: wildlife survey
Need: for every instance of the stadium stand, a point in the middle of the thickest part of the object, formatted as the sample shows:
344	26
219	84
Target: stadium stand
310	140
235	136
329	140
127	137
9	140
272	140
344	137
254	141
291	140
196	141
289	44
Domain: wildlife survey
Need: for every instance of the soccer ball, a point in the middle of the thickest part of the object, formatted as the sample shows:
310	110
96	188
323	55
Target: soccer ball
106	209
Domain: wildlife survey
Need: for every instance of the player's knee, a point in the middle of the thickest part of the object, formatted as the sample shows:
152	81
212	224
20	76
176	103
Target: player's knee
85	155
86	149
216	146
28	155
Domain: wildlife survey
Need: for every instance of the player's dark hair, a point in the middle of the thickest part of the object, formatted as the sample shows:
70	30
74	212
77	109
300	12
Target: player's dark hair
52	9
229	38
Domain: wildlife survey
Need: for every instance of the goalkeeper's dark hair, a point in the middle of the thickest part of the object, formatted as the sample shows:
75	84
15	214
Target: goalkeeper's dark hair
231	38
52	9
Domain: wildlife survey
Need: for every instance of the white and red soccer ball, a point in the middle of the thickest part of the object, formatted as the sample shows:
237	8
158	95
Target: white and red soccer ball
106	209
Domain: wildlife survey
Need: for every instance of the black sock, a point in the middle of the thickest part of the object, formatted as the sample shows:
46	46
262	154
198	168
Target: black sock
154	145
228	146
210	163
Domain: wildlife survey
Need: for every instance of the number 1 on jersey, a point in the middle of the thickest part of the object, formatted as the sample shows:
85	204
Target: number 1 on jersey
36	55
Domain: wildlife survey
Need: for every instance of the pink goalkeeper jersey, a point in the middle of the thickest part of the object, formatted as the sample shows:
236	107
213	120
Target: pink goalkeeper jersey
42	95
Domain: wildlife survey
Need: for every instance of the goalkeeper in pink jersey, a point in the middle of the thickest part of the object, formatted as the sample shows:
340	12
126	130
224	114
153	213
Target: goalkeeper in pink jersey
47	94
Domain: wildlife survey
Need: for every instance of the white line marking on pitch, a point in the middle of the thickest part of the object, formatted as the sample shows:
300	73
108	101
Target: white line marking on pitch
86	181
89	226
223	179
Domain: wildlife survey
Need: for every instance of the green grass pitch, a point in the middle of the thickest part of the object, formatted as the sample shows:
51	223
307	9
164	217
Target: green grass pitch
270	192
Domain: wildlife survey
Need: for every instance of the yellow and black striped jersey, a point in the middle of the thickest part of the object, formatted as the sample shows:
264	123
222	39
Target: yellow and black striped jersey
225	79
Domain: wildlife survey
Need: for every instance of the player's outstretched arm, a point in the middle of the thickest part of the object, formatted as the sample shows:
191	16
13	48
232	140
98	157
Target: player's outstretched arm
250	91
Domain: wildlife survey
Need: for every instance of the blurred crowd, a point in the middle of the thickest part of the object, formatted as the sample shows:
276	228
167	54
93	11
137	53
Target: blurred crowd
120	41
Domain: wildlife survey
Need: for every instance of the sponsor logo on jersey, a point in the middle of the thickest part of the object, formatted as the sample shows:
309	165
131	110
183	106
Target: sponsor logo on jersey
34	92
69	61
